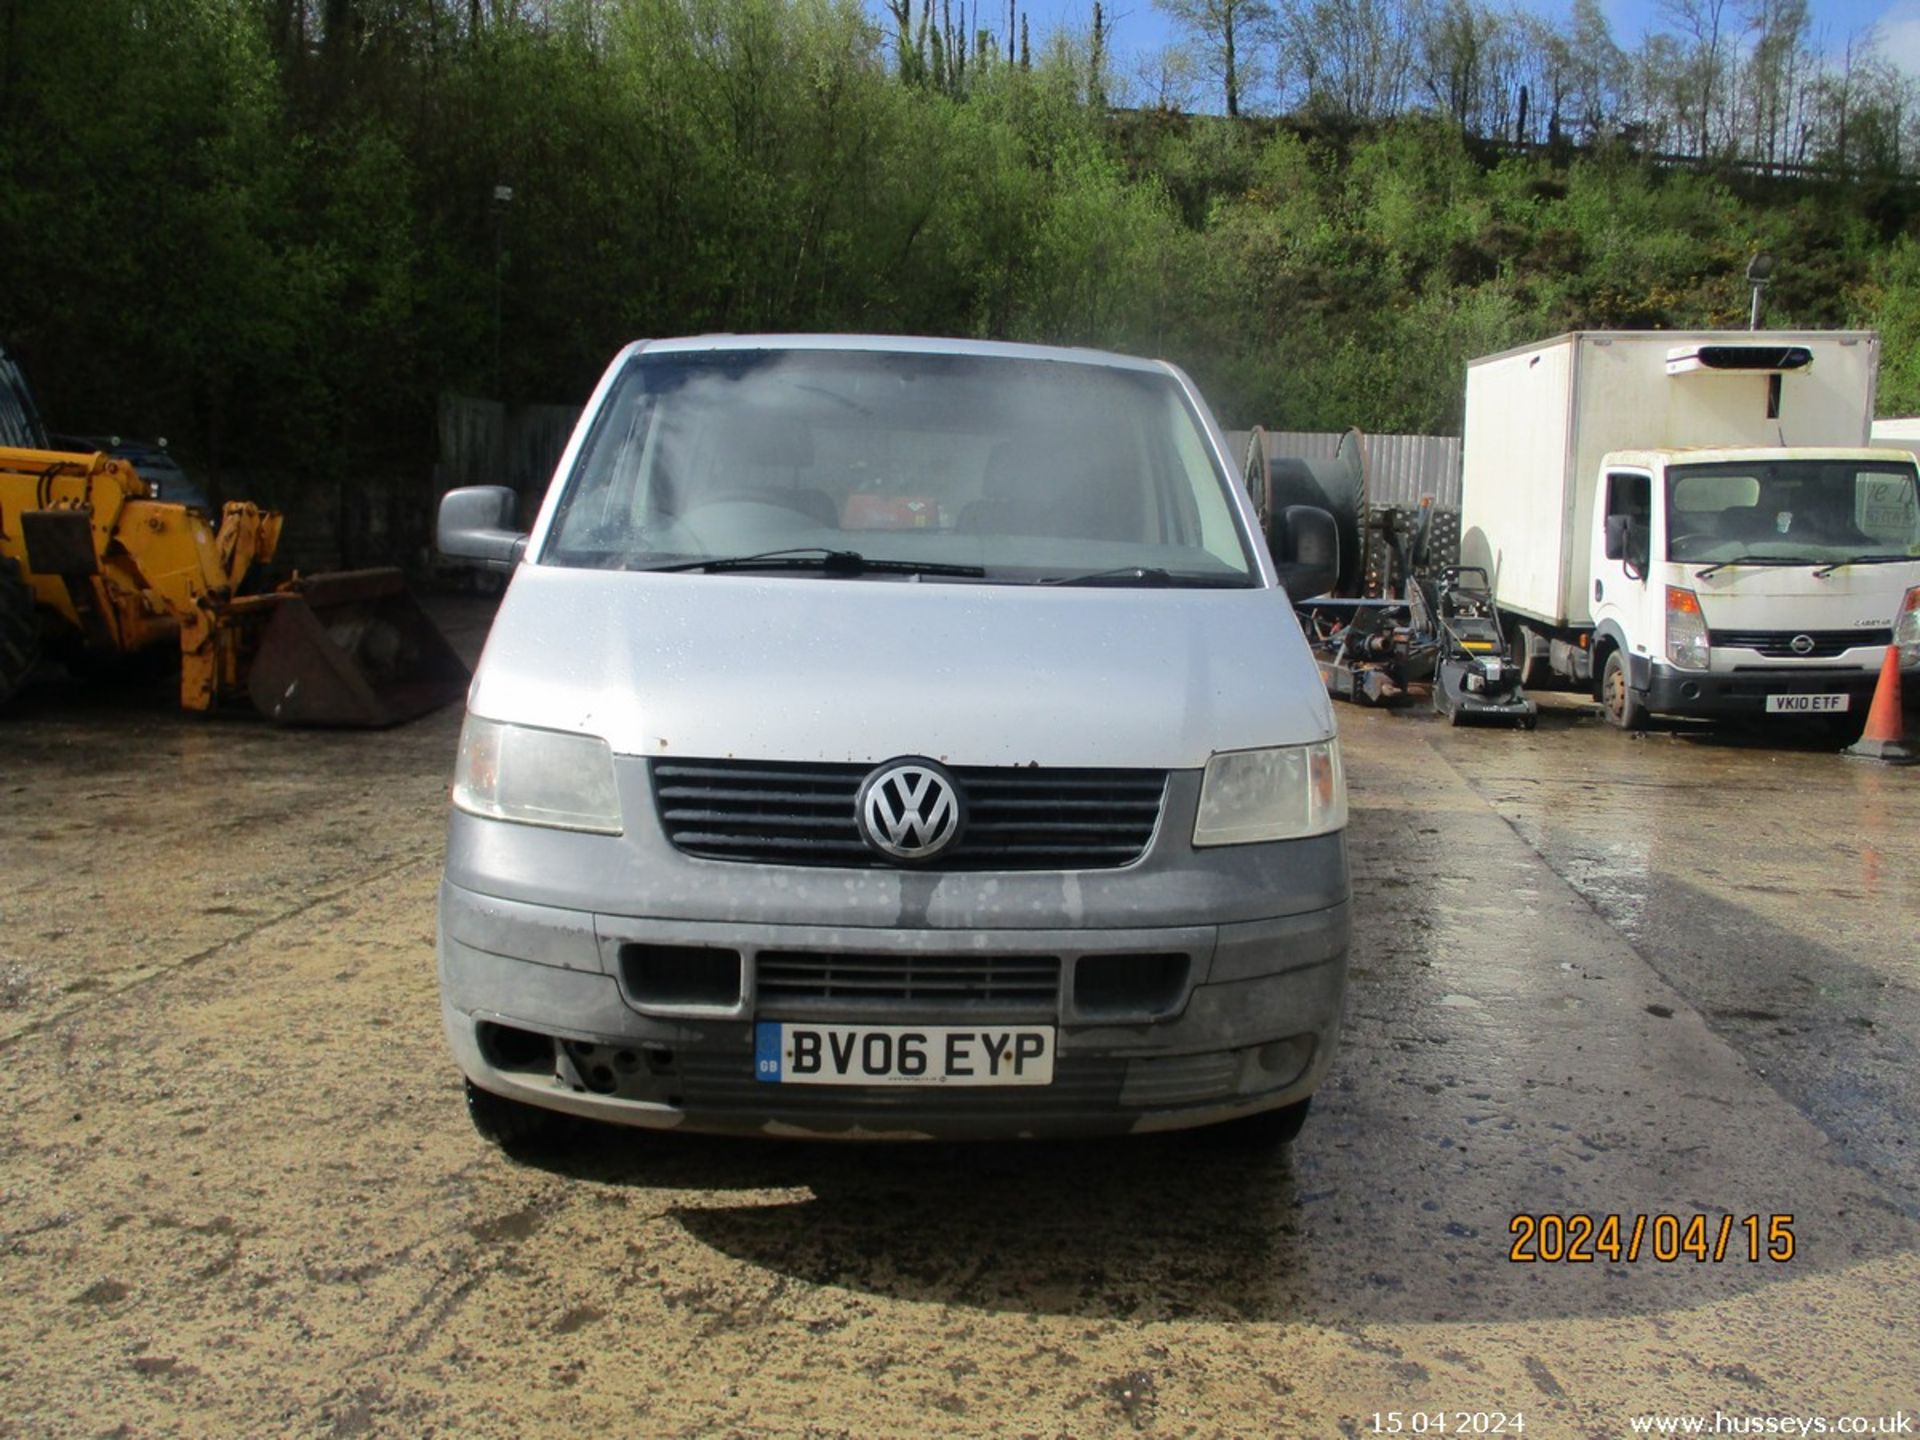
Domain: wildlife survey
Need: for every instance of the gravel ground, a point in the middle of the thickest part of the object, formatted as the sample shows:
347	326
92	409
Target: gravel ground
239	1196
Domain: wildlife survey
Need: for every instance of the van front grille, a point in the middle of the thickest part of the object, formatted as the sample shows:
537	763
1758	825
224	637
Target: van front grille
778	813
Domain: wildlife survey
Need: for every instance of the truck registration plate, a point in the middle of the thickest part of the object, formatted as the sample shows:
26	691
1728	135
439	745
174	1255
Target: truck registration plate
1806	704
789	1054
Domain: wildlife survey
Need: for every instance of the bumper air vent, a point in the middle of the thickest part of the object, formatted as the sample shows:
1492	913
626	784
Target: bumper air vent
1003	982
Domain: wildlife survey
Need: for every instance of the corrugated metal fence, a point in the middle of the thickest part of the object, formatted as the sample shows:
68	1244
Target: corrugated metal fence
1401	469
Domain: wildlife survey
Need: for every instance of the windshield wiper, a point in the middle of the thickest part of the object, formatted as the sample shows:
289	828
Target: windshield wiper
1121	575
818	557
1145	575
1719	565
1825	570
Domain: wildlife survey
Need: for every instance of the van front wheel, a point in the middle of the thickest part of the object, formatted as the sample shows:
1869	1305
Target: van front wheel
513	1125
1270	1129
1624	709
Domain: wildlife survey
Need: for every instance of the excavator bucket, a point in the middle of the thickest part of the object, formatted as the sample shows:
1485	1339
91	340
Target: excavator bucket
352	649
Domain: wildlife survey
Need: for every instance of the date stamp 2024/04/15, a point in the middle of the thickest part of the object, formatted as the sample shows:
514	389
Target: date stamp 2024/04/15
1581	1239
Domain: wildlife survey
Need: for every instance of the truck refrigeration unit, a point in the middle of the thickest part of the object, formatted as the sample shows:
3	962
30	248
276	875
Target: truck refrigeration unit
1693	523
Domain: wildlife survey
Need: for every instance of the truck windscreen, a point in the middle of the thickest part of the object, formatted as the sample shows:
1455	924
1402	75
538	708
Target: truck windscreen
1786	512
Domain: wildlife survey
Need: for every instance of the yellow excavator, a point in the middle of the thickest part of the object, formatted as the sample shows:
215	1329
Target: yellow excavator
91	562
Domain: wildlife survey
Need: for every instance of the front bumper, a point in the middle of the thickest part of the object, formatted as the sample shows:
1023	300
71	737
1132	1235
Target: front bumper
537	1007
1745	691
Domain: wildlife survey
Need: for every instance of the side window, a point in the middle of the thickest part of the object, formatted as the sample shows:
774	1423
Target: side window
1217	534
595	515
1629	527
1630	495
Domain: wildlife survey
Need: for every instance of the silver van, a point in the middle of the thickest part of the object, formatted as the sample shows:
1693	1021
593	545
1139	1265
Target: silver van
888	738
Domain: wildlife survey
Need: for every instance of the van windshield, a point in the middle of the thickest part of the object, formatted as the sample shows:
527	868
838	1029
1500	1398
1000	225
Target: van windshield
1785	512
1019	470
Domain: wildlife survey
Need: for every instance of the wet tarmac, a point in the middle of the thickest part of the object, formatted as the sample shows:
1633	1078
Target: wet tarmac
1597	975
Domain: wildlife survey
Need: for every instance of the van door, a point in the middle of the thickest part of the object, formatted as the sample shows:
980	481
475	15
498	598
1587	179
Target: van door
1623	553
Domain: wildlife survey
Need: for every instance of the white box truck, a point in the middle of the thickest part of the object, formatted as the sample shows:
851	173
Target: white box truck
1693	522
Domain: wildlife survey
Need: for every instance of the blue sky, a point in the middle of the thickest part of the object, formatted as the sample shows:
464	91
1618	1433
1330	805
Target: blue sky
1139	27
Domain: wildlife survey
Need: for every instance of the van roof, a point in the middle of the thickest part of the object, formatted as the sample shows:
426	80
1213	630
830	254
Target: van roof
902	345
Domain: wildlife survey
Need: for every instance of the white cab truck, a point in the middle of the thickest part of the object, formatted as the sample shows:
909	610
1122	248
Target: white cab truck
1695	522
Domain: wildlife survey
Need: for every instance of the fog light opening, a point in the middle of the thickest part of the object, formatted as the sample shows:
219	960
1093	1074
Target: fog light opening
506	1047
1276	1064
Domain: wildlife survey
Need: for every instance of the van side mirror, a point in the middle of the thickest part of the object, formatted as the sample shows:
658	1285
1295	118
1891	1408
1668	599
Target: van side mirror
476	524
1306	550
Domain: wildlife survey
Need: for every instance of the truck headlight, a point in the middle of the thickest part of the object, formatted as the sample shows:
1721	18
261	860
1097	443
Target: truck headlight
1906	628
1286	793
1686	630
536	777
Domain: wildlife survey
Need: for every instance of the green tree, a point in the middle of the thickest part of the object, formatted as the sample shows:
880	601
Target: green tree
1230	37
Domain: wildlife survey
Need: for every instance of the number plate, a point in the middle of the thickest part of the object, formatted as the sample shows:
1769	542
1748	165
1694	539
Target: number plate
1806	704
786	1054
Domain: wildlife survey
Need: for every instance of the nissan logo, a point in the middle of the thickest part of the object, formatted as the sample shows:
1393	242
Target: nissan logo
1801	644
910	810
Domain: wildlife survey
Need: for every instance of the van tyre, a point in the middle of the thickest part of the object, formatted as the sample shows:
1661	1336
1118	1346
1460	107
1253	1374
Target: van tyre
515	1126
19	629
1623	708
1270	1129
1532	668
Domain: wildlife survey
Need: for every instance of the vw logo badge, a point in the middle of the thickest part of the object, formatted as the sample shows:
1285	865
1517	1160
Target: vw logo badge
1801	644
910	809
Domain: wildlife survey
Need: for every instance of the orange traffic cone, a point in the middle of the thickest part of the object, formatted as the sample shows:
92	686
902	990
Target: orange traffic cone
1886	735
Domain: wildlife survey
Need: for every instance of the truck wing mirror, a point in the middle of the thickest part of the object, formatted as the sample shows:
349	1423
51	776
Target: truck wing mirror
1617	537
476	524
1306	550
1629	541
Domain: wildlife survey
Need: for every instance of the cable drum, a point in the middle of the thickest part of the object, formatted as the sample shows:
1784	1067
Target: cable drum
1253	475
1338	486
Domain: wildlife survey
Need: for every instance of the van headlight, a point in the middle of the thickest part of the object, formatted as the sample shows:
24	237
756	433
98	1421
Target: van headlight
1286	793
536	777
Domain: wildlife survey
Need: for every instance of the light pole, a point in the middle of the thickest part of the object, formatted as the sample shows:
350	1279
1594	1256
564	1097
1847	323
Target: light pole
1759	273
502	198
